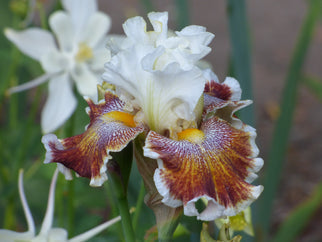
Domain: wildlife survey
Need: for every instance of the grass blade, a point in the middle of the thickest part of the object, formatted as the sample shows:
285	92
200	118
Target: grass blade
241	53
299	218
276	157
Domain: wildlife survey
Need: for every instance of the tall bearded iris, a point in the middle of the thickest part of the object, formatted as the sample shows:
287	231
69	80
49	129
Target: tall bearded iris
185	116
75	52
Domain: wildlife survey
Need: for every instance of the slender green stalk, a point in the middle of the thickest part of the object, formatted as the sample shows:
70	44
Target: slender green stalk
241	54
138	206
278	149
126	219
182	9
148	5
119	169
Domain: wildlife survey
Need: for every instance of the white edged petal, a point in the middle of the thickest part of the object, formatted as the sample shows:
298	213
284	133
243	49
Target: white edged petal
234	87
60	103
34	42
61	24
86	81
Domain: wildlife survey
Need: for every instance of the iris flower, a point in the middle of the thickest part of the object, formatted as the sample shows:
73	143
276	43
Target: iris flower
186	115
47	232
74	52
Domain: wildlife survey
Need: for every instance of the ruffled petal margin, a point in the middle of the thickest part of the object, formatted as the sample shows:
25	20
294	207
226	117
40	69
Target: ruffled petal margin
110	130
216	165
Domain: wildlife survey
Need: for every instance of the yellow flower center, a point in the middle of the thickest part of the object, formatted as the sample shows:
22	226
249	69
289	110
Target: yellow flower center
122	117
84	53
192	135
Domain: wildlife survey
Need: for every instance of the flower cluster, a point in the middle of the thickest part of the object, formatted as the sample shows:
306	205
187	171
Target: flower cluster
186	116
74	52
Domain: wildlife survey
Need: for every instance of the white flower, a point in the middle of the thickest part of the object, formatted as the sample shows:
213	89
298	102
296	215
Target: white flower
74	52
158	72
47	233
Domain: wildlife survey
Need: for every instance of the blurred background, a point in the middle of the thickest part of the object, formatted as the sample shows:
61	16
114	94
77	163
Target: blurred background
274	28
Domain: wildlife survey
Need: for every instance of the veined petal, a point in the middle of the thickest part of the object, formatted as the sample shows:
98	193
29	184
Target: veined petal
86	81
60	103
34	42
95	29
110	130
214	162
61	24
228	90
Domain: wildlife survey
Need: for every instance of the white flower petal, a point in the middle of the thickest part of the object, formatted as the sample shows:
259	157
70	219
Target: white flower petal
11	236
159	21
101	56
135	30
33	42
55	61
61	24
60	104
80	11
95	29
86	81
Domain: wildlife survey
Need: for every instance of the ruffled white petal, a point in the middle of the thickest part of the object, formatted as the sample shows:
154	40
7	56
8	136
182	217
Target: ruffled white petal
33	42
164	95
60	104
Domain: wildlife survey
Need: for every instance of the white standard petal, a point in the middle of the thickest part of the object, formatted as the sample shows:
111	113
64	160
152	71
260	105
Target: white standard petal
86	81
61	24
33	42
135	29
95	29
163	95
60	104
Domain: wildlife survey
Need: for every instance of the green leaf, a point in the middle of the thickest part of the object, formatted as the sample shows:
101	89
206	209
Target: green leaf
299	218
276	158
314	85
241	53
182	9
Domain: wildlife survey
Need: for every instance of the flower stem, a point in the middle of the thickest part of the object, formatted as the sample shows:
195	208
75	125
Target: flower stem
126	219
138	206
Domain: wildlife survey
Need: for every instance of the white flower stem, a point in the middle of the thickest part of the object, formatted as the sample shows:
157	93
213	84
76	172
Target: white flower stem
26	209
89	234
31	84
48	220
